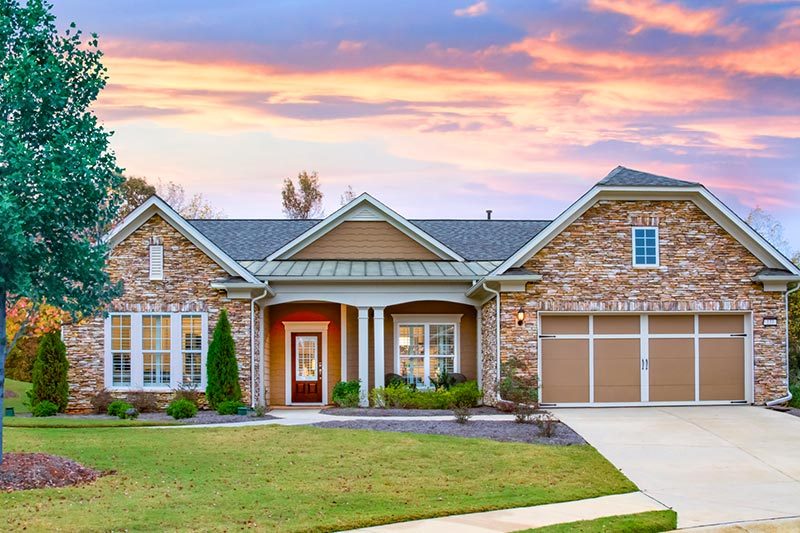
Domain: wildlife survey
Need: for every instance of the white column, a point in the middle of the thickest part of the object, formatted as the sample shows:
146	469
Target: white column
343	346
363	354
380	356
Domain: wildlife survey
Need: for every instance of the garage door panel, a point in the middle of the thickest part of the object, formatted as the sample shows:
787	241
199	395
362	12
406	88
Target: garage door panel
565	370
722	369
616	325
565	324
671	374
721	324
671	324
617	370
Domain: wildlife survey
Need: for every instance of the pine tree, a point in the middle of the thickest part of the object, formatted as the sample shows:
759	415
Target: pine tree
222	368
50	372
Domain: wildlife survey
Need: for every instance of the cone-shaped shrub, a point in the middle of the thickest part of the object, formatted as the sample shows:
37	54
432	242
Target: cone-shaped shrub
49	373
222	369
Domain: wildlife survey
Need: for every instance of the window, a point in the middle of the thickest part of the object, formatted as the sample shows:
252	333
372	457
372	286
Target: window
156	350
192	348
645	247
156	262
426	347
121	350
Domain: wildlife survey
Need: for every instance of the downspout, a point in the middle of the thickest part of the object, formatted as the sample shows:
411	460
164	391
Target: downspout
788	396
253	345
497	332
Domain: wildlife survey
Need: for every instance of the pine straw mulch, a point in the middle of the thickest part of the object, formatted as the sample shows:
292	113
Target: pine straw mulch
23	471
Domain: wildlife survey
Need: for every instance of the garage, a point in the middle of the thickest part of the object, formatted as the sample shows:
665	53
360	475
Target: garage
631	359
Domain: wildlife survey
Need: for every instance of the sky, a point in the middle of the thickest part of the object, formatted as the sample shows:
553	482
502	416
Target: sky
445	109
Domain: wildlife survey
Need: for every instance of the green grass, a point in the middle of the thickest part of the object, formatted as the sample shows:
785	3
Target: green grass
67	422
21	388
649	522
293	478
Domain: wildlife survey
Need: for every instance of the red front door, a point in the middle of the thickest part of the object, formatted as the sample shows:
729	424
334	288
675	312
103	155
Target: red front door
306	368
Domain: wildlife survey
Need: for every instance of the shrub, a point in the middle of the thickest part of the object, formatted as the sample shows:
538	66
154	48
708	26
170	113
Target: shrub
260	411
143	401
118	408
346	393
443	380
403	396
465	395
229	407
188	391
462	414
519	388
44	408
547	425
222	368
181	408
101	401
49	373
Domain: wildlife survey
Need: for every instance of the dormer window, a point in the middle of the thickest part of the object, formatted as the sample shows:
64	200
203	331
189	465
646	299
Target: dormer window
156	262
645	247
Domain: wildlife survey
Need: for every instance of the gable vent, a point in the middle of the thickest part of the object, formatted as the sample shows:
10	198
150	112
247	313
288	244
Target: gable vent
156	262
364	213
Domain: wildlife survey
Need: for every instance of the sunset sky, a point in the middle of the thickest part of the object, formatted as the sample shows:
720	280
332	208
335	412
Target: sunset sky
443	109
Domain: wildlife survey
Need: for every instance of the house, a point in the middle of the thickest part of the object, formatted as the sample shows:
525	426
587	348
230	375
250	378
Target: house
647	290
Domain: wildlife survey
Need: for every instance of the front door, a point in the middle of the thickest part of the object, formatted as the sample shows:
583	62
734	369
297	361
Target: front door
306	368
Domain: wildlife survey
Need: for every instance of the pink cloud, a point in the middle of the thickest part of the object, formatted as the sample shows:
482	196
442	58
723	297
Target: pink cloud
666	15
475	10
351	46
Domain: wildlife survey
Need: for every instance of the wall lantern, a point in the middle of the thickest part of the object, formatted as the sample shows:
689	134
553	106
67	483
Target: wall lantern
520	316
770	321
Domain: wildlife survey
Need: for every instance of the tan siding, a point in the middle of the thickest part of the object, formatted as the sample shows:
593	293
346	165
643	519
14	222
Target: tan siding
301	312
365	240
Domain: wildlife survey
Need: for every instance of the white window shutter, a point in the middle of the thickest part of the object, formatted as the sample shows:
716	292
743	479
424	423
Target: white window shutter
156	262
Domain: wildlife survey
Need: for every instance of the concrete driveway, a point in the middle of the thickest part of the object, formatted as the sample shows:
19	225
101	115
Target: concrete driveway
713	465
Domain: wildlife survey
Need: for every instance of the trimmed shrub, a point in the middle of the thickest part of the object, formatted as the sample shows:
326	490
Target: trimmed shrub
44	408
465	395
181	408
118	408
345	393
143	401
49	373
230	407
101	401
402	396
222	368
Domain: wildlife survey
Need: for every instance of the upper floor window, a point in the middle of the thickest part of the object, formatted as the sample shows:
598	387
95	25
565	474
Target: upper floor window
645	247
156	261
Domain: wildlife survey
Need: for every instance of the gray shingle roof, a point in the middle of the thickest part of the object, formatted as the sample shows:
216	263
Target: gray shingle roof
475	240
628	177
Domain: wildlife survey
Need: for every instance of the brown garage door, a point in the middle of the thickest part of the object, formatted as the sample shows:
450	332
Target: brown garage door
603	359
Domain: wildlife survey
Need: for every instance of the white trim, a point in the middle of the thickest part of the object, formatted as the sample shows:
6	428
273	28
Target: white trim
377	294
305	327
343	345
378	349
156	206
363	355
427	320
351	211
636	264
701	197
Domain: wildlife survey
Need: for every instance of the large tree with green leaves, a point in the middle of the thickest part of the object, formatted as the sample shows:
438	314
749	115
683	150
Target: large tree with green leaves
58	176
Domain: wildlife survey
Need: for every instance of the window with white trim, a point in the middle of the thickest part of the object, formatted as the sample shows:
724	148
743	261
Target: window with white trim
156	350
121	350
645	247
156	262
426	347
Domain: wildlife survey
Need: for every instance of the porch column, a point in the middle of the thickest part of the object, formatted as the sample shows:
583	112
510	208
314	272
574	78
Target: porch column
363	355
377	333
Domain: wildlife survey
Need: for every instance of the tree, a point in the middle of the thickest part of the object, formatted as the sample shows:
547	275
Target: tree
40	320
769	228
59	180
347	196
193	207
222	369
305	201
50	372
135	191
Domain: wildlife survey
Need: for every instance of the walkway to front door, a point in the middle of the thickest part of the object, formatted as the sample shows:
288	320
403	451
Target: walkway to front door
306	368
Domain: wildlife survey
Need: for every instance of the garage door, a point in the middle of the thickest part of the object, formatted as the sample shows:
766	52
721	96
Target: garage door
618	359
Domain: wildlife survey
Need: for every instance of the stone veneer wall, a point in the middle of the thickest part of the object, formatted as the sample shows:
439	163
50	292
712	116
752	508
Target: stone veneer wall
188	273
588	268
488	319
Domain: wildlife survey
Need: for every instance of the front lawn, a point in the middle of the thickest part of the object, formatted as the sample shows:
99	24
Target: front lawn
293	478
20	389
649	522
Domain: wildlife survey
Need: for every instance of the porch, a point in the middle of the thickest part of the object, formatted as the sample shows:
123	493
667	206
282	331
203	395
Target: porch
309	346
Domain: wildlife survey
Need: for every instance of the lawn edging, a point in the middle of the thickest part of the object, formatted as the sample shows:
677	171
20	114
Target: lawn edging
647	522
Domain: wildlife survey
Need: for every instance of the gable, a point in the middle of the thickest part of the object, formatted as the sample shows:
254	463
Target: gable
356	239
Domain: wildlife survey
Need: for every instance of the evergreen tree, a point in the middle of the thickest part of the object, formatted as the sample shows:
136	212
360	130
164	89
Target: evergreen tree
222	369
50	372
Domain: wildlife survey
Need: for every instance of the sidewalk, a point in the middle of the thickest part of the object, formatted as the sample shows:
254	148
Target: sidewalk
528	517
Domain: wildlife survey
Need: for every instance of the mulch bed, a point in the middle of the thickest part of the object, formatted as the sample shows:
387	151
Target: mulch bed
203	417
499	430
9	394
369	411
23	471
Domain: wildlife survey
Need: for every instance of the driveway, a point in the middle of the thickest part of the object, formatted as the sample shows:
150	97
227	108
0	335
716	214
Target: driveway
711	464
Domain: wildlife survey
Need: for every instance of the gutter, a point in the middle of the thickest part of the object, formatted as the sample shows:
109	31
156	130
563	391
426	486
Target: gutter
497	333
532	278
253	301
788	396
